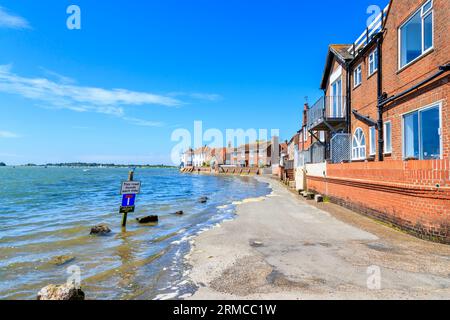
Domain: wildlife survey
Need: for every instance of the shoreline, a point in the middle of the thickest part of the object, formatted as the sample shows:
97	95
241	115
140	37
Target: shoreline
281	247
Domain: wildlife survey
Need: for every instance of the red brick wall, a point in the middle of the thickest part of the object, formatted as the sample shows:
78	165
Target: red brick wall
405	194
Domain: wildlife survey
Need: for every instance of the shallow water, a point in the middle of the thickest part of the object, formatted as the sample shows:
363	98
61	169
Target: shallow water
49	212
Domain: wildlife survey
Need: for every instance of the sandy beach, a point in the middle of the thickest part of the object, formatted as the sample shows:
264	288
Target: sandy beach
283	247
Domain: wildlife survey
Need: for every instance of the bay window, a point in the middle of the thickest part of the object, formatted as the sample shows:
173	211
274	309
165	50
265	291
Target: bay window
416	35
422	134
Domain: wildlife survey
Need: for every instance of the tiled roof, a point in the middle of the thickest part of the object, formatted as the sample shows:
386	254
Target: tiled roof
342	50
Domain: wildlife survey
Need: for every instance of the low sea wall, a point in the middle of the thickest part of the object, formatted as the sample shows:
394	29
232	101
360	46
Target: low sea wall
411	195
223	170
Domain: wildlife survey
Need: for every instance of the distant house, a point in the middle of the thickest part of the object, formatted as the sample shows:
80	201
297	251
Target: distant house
202	156
187	158
218	157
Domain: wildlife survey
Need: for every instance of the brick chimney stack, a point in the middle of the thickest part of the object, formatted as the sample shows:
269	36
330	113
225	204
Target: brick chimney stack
305	113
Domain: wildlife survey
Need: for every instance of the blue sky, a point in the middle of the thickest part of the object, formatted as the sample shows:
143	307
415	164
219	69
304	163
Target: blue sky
115	90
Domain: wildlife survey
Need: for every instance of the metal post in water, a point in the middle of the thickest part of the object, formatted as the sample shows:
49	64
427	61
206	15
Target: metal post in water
125	214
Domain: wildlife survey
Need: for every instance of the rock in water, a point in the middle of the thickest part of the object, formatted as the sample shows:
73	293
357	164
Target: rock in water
179	213
61	260
64	292
100	230
149	219
203	199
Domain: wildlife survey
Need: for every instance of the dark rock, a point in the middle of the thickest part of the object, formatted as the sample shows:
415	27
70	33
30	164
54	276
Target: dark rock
61	260
64	292
179	213
203	199
149	219
100	230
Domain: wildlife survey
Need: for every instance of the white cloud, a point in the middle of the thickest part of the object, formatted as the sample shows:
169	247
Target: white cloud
59	77
56	95
12	21
8	134
61	92
198	96
72	95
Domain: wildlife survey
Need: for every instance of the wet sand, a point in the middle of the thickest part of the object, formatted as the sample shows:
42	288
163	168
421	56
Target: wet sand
283	247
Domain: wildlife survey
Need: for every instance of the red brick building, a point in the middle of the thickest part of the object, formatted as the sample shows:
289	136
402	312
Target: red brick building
386	103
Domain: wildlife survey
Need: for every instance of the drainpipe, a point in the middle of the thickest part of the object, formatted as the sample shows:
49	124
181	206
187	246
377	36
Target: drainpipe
349	100
380	98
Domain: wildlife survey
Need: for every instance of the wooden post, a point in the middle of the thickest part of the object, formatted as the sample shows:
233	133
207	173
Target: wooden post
125	214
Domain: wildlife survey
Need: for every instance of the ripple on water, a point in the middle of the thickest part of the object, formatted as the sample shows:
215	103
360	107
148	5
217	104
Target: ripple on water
50	213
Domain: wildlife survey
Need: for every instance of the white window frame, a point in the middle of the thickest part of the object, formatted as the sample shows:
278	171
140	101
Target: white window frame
373	56
339	97
363	157
357	76
386	151
423	15
432	105
372	146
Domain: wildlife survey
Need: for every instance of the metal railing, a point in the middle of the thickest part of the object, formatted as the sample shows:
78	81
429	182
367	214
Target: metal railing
373	28
289	165
331	107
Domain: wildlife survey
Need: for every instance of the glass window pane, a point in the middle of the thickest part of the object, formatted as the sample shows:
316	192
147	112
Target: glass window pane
427	6
411	134
428	31
372	141
388	138
375	60
431	144
411	39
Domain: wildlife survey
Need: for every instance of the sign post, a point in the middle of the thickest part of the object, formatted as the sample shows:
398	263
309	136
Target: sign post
129	191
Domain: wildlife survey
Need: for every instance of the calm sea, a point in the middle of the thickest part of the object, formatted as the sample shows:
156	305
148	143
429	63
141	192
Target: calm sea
46	213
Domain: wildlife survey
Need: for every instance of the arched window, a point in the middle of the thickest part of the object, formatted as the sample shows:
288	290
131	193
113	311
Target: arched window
359	145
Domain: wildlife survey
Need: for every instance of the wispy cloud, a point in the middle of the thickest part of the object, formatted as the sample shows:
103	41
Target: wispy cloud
57	95
56	91
198	96
12	21
8	134
58	77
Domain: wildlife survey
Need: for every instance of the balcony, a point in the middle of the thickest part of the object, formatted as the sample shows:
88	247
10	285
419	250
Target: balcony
327	114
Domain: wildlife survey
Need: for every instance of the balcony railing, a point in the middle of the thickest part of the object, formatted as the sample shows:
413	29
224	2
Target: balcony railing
371	30
327	110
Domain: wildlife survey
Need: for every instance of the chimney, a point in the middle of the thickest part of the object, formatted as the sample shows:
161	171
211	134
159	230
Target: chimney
305	114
